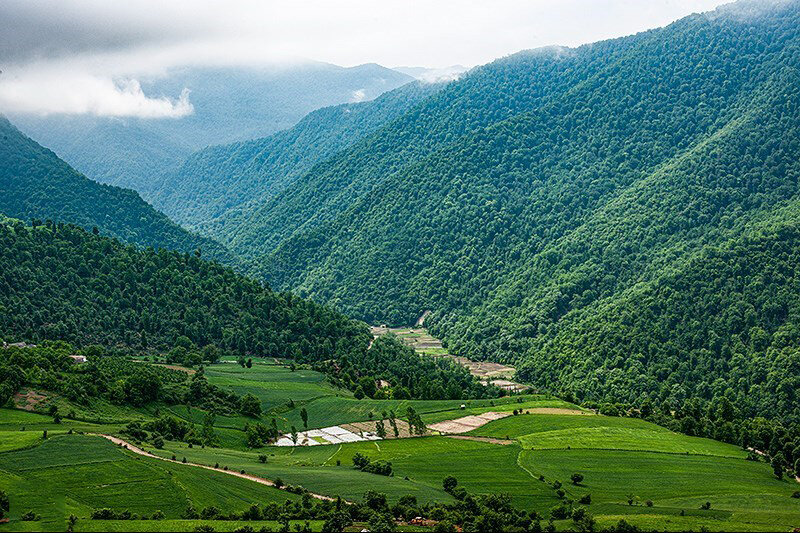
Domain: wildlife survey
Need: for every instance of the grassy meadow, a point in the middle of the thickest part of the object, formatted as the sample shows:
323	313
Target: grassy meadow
646	474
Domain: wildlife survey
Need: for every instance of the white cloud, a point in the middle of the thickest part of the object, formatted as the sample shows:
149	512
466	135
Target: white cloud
358	95
97	41
45	93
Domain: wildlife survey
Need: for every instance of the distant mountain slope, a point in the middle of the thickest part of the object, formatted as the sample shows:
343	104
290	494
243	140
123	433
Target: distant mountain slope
523	200
36	184
231	104
216	188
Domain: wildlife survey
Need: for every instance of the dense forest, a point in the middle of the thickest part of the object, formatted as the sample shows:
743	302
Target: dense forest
216	189
534	203
61	283
36	184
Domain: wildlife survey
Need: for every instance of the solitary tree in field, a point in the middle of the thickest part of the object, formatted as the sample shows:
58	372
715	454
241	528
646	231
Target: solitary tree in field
576	478
5	504
778	464
294	435
449	484
304	416
250	406
380	429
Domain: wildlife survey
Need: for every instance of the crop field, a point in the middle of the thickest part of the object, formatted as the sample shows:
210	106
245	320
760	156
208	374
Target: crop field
739	491
186	525
312	468
76	474
273	384
619	457
331	411
546	431
623	458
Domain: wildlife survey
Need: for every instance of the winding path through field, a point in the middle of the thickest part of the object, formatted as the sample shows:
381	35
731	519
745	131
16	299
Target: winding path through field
263	481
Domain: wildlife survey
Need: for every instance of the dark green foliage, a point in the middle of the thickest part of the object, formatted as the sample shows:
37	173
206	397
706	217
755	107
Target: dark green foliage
618	219
410	375
218	188
250	406
60	282
5	504
36	184
380	467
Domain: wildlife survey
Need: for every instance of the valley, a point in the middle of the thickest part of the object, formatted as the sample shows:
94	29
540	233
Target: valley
489	373
529	455
556	290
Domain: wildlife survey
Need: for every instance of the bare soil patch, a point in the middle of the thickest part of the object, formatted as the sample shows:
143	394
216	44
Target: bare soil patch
467	423
190	371
28	399
557	411
402	428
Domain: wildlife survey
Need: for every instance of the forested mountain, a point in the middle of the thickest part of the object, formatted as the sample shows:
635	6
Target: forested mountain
215	189
640	188
36	184
230	104
59	282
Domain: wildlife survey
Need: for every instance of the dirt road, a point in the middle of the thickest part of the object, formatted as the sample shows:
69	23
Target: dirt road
263	481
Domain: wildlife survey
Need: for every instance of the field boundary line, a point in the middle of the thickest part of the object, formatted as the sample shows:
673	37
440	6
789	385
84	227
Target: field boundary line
333	455
627	450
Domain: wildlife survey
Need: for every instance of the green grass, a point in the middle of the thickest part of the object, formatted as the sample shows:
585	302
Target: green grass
73	474
184	525
545	431
311	467
76	474
273	384
479	467
743	494
505	405
17	440
331	411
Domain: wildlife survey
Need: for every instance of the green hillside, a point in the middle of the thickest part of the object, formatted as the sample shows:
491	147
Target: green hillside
520	202
215	189
36	184
60	282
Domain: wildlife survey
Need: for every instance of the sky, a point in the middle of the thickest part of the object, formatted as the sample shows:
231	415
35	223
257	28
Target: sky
88	56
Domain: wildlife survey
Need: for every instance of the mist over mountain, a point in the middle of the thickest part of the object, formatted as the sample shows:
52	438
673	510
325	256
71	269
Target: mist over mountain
228	104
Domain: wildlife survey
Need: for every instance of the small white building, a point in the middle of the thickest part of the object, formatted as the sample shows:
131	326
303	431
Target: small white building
78	358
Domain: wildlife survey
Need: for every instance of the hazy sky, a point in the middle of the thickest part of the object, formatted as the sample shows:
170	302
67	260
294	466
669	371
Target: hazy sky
85	56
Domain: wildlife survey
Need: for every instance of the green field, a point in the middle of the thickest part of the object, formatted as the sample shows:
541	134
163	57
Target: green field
619	457
543	431
75	474
273	384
